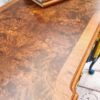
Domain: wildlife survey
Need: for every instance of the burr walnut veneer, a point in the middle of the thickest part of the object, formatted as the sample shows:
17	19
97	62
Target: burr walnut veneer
43	50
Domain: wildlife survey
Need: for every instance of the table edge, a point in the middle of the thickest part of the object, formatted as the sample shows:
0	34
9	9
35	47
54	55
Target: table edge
68	87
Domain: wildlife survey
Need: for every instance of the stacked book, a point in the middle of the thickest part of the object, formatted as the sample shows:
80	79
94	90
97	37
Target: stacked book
44	3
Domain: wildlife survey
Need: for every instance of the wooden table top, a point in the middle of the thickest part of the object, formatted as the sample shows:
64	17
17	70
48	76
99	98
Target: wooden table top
35	43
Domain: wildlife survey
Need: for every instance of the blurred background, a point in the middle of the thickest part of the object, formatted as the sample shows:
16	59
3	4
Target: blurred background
2	2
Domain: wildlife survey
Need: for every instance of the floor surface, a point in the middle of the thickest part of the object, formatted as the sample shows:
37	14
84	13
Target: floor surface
89	85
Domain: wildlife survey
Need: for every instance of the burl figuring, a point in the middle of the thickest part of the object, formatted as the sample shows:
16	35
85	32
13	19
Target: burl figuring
35	43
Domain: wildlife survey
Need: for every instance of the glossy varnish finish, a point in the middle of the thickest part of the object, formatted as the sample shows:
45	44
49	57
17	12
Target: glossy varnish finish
35	43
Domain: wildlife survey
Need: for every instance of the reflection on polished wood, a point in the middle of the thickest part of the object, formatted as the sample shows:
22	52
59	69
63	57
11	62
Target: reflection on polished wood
35	44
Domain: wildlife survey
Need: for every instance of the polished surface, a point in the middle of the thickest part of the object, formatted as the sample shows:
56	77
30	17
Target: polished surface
35	42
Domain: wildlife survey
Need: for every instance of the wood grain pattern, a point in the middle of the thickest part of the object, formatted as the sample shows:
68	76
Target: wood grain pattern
34	45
